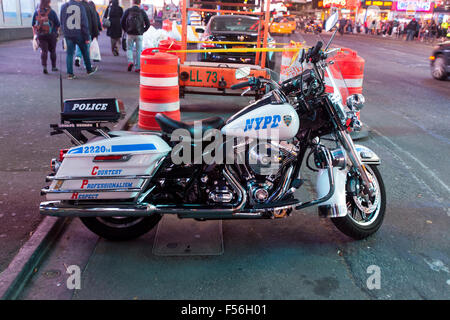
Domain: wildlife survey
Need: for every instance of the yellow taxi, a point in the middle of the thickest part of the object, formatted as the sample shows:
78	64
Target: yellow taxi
282	25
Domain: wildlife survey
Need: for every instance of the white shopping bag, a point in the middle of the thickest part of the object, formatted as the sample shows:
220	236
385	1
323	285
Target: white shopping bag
94	50
35	43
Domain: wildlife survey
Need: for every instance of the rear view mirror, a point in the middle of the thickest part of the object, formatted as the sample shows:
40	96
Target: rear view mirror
242	73
199	30
301	56
331	21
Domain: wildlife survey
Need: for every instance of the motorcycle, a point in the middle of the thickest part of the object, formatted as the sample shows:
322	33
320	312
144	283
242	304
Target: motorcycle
121	183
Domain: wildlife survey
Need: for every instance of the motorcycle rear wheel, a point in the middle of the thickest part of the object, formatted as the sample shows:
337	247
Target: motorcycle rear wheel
359	229
121	228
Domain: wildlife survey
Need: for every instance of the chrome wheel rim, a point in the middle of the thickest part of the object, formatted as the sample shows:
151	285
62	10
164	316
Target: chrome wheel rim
365	211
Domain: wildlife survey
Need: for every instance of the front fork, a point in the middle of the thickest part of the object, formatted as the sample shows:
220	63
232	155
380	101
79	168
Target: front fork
349	147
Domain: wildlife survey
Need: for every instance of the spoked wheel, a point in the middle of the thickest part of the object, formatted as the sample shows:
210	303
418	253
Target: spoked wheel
438	69
364	215
121	228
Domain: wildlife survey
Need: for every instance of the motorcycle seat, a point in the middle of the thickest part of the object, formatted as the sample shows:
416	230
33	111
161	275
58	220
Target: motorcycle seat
169	125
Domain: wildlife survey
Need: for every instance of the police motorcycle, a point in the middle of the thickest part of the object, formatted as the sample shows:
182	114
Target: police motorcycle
121	183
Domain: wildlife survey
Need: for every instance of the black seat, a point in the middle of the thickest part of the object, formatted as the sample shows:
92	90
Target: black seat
168	125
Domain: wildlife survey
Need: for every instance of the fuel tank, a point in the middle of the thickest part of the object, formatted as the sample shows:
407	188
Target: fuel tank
113	168
270	117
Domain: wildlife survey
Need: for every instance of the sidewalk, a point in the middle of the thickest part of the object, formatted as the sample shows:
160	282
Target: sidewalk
29	103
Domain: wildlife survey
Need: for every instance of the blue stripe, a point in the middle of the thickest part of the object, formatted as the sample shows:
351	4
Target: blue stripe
76	150
133	147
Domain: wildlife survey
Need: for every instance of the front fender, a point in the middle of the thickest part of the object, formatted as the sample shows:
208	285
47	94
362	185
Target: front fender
367	155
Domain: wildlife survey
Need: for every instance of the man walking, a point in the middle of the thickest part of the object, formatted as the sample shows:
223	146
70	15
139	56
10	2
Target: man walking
411	29
74	25
134	22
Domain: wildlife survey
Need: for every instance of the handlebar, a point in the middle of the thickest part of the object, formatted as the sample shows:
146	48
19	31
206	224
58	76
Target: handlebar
241	85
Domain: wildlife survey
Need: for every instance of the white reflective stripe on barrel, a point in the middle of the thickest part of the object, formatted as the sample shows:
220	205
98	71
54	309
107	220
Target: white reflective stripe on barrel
159	107
159	82
349	83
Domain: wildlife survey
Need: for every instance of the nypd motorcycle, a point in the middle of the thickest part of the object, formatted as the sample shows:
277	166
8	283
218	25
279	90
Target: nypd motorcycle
120	183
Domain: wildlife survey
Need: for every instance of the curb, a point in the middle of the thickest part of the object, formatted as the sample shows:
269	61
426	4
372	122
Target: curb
14	278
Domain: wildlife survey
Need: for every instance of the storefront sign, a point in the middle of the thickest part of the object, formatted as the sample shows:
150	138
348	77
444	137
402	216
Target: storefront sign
380	4
413	5
334	3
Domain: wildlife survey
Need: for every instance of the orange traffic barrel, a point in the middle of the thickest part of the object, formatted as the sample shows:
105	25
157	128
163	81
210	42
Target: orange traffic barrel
288	68
159	90
351	66
171	44
167	25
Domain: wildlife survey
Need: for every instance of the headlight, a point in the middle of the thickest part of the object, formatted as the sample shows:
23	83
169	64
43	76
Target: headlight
355	102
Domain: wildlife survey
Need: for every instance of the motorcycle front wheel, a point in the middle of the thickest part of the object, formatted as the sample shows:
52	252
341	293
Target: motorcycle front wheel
364	217
121	228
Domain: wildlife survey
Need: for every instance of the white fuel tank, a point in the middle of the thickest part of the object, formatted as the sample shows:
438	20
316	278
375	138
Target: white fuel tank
91	172
264	120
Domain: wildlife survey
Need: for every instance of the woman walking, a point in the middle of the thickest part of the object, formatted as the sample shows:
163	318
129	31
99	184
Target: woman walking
45	27
114	13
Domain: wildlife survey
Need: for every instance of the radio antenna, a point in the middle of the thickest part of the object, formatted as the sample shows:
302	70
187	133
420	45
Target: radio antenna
61	95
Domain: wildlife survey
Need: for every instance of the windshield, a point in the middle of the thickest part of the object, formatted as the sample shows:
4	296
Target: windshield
336	80
240	24
280	19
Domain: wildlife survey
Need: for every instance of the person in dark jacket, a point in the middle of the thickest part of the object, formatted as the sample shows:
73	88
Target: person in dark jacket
45	27
114	12
411	29
135	23
92	27
75	27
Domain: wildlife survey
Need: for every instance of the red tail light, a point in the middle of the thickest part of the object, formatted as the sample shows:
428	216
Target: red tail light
119	157
62	153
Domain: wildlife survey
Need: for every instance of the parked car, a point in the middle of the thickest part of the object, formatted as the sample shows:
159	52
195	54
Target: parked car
440	61
233	28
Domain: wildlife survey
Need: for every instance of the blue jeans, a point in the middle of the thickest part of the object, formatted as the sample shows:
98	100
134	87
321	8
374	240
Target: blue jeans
71	43
410	35
132	42
78	52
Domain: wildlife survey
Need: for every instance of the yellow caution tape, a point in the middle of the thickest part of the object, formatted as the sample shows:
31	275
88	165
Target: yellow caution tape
237	42
237	50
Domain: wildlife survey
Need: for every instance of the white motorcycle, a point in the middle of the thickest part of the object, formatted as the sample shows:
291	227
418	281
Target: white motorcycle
121	183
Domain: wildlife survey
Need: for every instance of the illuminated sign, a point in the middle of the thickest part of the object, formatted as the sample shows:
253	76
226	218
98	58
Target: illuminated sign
380	4
413	5
339	3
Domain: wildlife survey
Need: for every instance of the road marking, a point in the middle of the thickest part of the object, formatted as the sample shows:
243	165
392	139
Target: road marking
420	163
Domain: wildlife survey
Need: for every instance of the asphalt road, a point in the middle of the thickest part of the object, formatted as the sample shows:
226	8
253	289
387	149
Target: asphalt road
301	257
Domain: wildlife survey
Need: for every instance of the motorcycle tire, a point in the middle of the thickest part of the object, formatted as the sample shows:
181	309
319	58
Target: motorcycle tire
359	230
121	229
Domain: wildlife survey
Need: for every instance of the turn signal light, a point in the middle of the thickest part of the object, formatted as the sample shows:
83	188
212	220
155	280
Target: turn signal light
432	58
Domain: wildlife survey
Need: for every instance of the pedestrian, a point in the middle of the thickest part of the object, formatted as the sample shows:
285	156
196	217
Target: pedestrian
411	29
114	13
92	28
45	27
135	23
75	28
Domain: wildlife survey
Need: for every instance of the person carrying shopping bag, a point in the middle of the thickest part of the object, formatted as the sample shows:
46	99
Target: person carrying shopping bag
135	23
113	14
45	28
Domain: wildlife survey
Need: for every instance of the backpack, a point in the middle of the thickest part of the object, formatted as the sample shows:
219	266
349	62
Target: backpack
135	22
42	24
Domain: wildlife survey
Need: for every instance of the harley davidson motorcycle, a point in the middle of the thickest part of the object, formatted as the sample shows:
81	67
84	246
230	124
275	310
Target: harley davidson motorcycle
121	183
